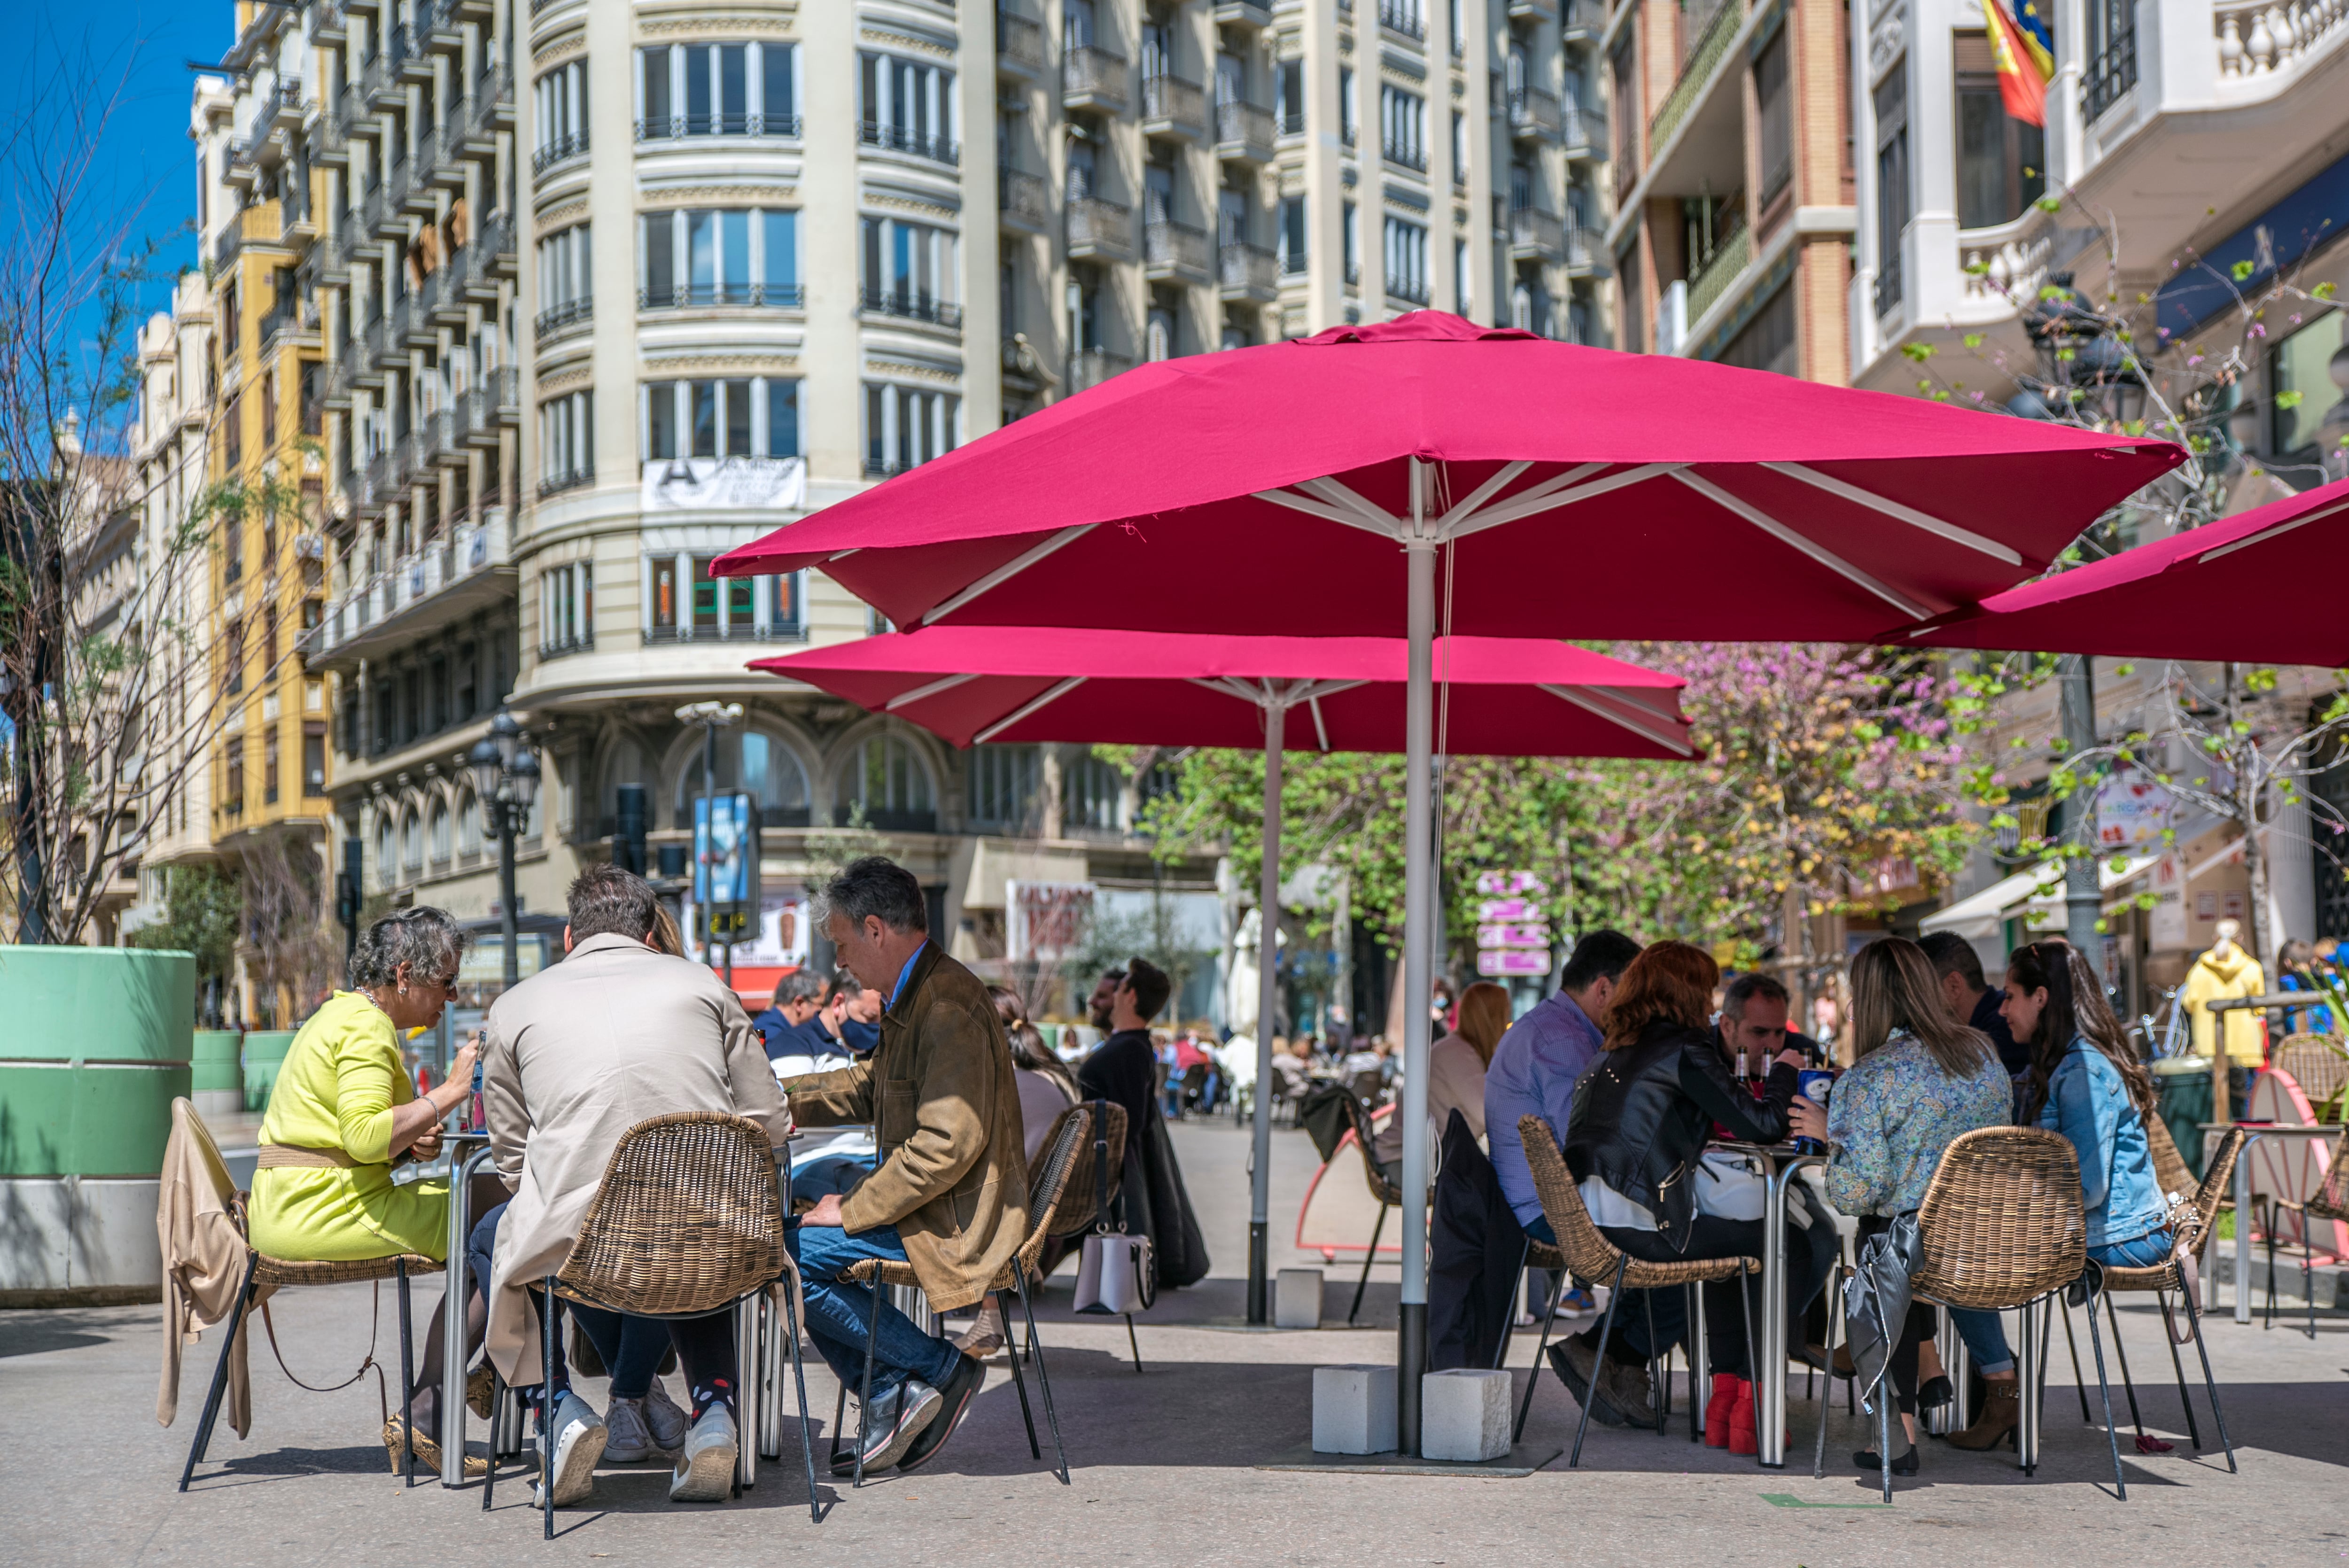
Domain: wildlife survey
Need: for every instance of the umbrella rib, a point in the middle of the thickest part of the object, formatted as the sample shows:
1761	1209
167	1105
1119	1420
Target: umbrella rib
1586	703
1324	510
1786	535
1518	507
1893	509
1006	572
1321	727
1631	697
1504	475
1228	685
1027	710
920	693
1345	499
2263	535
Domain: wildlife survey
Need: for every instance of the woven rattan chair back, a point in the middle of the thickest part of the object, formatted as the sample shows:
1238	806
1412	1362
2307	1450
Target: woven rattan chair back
2170	1171
2001	1222
1591	1255
689	1219
1366	1134
1051	1180
1079	1205
2316	1064
2330	1199
2218	1177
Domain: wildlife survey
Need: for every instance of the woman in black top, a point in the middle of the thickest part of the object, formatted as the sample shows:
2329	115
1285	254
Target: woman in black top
1635	1135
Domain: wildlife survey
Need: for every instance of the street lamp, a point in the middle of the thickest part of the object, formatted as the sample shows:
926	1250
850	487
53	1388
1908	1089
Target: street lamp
712	717
505	781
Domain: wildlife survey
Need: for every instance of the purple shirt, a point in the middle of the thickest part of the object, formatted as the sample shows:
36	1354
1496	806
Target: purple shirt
1532	1074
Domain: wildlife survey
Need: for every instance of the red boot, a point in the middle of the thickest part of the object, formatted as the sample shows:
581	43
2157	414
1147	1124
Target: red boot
1717	1409
1742	1438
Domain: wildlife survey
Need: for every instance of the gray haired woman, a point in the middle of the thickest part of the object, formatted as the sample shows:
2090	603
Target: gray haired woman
344	1109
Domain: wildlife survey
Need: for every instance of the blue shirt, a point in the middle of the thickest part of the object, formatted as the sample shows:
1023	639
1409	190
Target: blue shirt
1533	1073
2088	1102
903	976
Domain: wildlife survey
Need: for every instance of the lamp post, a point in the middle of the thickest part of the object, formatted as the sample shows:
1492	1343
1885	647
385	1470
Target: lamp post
505	781
712	717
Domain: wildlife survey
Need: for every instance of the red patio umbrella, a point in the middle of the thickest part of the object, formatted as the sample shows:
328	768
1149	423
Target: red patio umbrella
1311	486
2193	595
1516	698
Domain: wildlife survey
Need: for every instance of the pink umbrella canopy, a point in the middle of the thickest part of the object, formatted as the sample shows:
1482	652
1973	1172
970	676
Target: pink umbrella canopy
974	685
1578	491
2183	597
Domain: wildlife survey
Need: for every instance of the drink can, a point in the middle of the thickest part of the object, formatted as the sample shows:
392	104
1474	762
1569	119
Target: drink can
1812	1084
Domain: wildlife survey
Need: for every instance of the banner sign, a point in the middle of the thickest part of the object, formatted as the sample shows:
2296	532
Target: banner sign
1045	922
1493	963
725	849
720	484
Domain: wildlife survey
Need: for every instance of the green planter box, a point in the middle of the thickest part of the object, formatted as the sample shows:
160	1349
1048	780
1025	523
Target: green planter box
100	1042
217	1075
264	1053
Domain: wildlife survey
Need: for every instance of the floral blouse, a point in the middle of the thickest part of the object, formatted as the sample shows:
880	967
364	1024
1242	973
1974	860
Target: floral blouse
1890	1117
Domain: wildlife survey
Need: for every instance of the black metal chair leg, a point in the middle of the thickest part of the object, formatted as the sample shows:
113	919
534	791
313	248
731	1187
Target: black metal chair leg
1819	1458
220	1374
2111	1437
1368	1257
2079	1378
549	1326
1753	1351
1043	1377
1018	1384
865	1398
1660	1388
2170	1332
407	1380
2308	1273
1606	1328
798	1376
839	1420
497	1409
1556	1295
1516	1296
2210	1384
1693	1303
2120	1353
746	1431
1133	1343
2267	1320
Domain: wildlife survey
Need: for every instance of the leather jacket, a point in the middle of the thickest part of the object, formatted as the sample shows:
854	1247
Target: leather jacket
1641	1115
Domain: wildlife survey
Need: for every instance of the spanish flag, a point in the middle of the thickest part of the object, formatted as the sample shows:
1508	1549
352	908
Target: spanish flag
2024	52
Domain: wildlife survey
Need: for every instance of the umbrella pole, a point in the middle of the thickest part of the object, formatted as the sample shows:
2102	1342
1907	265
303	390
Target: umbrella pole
1276	717
1418	954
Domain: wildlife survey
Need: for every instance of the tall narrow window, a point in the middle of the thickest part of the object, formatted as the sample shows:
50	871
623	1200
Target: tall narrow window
1774	99
1891	184
1288	96
778	112
1292	234
2002	162
779	281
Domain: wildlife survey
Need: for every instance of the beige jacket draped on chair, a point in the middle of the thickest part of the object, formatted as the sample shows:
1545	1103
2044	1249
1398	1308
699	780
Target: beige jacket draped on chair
612	1036
204	1255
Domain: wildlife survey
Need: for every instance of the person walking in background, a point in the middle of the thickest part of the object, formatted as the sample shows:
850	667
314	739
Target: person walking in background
1123	1070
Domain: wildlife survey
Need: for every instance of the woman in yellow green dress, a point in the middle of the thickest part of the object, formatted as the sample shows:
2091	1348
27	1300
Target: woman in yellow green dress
345	1108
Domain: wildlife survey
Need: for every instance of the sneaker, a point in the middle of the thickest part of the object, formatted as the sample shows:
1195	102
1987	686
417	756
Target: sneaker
579	1438
1572	1361
668	1422
955	1398
892	1426
704	1466
630	1441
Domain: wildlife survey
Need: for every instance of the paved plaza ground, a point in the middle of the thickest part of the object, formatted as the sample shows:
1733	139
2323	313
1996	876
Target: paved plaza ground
1164	1463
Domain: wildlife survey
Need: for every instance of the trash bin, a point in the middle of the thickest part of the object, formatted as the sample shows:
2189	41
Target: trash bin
2184	1087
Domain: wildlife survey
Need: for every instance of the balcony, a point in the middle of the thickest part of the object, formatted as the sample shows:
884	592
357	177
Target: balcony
440	155
1092	78
381	80
1244	132
1534	115
1586	252
1532	10
688	127
1536	236
908	305
484	409
559	149
1173	106
1713	276
731	296
1243	13
1712	45
556	319
1091	367
564	479
897	138
1019	45
1247	271
1408	155
440	25
1581	21
1024	199
330	22
1584	132
1404	19
1171	249
451	578
1100	230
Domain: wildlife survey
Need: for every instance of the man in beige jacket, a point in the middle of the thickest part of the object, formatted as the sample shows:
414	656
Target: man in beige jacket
949	1194
616	1034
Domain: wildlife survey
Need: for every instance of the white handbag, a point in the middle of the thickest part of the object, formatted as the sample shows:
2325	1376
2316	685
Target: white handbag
1730	1186
1116	1272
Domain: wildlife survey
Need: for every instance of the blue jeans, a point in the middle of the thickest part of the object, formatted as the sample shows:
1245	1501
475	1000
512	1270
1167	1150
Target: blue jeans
829	1175
838	1311
2137	1252
1985	1337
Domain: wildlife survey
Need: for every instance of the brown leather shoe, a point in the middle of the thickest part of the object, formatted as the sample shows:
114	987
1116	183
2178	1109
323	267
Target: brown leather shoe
2002	1411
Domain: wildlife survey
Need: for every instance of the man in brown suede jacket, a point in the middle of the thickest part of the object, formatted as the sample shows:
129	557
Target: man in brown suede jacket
949	1194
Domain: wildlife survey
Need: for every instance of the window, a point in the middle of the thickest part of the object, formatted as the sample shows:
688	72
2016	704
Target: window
1003	785
716	89
233	433
743	417
1346	117
566	441
904	427
2300	369
1292	235
1774	99
735	256
314	760
1459	9
910	271
1627	119
269	407
2002	162
269	766
314	391
1288	96
1090	788
736	609
469	825
1353	240
232	762
233	655
1463	291
1459	146
560	101
1767	343
1406	260
439	832
566	609
412	841
887	785
908	107
2112	54
386	865
1403	127
1891	183
761	766
564	293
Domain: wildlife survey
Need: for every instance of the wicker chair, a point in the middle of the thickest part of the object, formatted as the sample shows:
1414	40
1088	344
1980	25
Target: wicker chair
1593	1257
262	1272
2329	1202
2317	1063
1087	1199
1063	1150
1388	1193
689	1222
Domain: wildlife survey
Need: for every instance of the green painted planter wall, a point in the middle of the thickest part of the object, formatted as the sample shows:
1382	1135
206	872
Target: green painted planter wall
219	1060
99	1041
264	1053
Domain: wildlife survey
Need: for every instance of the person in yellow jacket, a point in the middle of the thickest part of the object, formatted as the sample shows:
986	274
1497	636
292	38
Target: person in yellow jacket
2226	971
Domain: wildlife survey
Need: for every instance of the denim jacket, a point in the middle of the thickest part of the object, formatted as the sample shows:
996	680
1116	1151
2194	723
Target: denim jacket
2088	1103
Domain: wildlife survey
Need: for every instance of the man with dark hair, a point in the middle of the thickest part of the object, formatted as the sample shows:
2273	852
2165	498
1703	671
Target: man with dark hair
1752	1027
853	1015
1123	1070
1973	999
950	1193
1104	998
790	1028
616	1034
